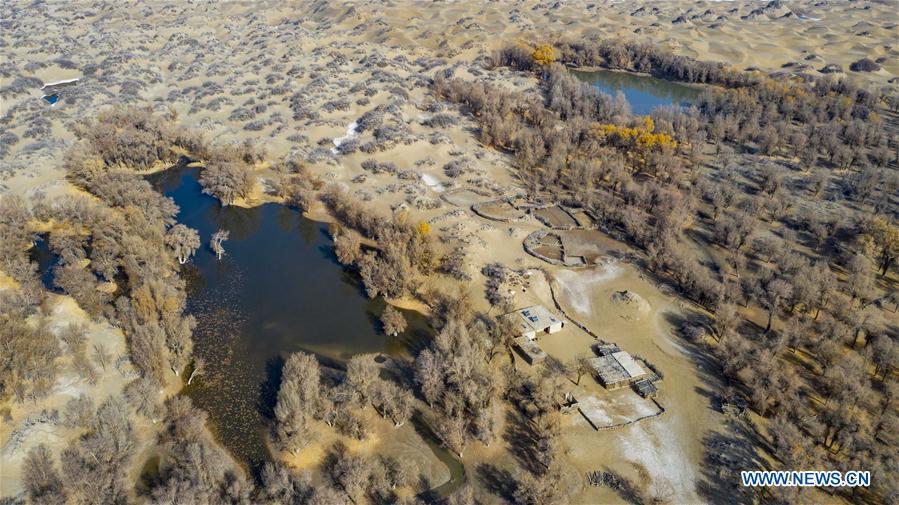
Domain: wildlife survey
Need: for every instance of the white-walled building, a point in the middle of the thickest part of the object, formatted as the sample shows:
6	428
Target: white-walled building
535	319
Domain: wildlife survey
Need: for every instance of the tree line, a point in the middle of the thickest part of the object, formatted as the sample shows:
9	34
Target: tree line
778	149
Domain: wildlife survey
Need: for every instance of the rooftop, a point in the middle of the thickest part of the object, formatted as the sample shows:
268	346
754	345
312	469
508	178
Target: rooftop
538	317
617	369
533	353
627	362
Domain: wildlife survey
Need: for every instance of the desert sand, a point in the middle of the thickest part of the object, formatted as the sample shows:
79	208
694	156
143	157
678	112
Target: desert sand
288	75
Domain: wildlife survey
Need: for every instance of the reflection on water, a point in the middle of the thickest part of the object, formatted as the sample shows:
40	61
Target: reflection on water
277	290
45	259
642	92
456	468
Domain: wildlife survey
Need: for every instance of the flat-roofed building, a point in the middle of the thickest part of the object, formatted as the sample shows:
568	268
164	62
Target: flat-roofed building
617	370
533	320
530	351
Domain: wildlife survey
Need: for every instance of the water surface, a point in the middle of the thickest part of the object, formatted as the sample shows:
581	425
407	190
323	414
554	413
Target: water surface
277	290
642	92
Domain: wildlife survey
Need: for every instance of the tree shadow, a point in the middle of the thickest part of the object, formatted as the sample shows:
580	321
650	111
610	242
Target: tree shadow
498	481
523	440
734	449
624	488
268	390
428	493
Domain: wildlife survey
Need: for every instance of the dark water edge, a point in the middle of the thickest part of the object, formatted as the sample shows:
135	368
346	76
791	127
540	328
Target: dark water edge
45	259
277	290
643	92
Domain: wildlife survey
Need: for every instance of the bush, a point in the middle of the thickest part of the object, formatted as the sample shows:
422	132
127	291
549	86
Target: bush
440	121
864	65
376	167
455	168
393	321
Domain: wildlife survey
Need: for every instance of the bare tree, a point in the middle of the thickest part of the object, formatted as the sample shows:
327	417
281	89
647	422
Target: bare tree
775	292
860	277
101	355
227	180
298	395
27	369
78	412
580	366
198	369
41	479
427	376
184	242
97	464
393	321
453	431
362	373
216	242
351	473
347	248
392	401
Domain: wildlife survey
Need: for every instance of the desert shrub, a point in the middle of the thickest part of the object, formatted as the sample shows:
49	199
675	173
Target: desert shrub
7	140
348	146
377	167
301	109
255	126
241	114
864	65
455	168
440	121
20	85
319	154
341	104
371	119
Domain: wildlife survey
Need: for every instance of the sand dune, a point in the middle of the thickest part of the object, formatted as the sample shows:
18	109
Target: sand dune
201	59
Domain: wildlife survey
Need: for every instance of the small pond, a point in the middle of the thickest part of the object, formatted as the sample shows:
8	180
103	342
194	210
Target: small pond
642	92
277	290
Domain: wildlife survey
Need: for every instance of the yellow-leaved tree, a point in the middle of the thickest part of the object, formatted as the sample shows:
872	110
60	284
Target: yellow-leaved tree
544	55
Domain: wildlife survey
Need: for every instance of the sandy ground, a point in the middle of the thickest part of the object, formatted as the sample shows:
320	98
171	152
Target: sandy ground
297	80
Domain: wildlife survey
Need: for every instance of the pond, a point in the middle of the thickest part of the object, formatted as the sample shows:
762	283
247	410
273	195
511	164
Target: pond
642	92
277	290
